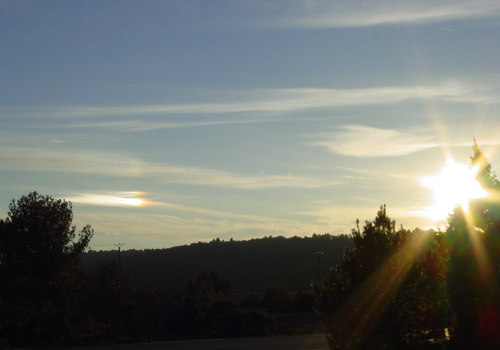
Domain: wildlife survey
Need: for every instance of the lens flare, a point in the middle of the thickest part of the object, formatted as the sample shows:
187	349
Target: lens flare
456	184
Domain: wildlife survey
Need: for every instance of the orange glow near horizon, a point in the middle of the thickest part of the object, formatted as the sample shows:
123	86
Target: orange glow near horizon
456	184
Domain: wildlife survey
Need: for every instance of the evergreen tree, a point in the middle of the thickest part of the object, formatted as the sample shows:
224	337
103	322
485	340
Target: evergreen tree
39	267
378	295
474	263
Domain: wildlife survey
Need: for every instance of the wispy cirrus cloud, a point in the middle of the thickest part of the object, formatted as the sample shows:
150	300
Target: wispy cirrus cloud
115	165
111	23
145	125
262	104
142	199
364	141
335	14
129	198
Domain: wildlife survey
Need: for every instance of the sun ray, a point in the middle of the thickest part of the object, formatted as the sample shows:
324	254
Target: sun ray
364	308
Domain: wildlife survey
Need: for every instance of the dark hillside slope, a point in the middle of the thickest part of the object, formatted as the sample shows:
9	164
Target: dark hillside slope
253	265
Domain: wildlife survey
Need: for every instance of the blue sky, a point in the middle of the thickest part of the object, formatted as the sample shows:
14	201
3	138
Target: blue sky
240	119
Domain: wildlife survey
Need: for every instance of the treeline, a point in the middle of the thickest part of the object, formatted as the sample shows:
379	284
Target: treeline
117	309
253	265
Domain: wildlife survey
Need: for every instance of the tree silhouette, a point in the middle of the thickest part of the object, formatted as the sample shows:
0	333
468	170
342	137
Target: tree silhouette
109	299
211	309
209	284
379	295
474	263
39	265
277	300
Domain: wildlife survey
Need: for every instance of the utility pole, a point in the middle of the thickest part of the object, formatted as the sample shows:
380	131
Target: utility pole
119	245
319	264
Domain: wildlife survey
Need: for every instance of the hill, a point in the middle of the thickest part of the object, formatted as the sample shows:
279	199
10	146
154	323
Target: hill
253	264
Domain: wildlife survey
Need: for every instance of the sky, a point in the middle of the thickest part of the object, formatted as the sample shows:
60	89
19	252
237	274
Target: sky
172	122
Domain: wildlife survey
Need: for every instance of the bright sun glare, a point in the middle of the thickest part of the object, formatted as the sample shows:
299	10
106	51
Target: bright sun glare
456	184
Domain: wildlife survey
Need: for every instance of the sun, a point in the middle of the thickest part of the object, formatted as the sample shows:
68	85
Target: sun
456	184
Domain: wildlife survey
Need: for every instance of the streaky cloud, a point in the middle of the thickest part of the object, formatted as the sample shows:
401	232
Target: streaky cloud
130	198
363	141
145	125
338	14
261	101
115	165
134	198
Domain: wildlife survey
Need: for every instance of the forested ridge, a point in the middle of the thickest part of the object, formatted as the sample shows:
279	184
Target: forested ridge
253	264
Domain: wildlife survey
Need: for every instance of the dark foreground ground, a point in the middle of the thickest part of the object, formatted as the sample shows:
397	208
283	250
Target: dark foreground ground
296	342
